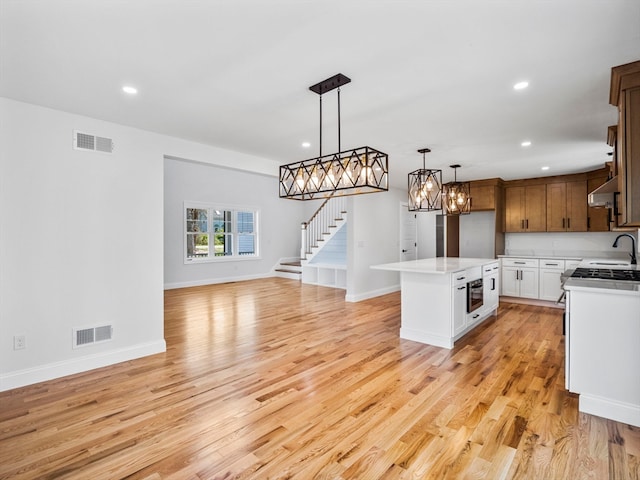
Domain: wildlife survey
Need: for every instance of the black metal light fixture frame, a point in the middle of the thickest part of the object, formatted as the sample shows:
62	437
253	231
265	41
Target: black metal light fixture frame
456	196
425	188
350	172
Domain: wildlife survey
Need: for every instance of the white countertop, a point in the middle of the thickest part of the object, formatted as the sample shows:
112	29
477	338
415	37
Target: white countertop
437	265
608	286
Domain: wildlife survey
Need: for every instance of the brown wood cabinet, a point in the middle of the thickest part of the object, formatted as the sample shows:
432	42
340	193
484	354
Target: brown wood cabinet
486	194
597	217
483	197
567	207
625	94
526	208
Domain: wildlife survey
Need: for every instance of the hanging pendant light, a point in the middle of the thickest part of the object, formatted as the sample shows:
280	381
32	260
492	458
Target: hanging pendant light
456	195
352	172
425	188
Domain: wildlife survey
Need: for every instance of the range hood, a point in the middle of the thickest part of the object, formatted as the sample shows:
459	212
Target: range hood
603	195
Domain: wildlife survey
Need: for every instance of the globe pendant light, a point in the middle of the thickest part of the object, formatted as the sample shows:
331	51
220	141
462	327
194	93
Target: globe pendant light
425	188
456	196
350	172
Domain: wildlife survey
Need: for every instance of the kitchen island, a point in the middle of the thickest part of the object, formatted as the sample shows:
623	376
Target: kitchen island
444	298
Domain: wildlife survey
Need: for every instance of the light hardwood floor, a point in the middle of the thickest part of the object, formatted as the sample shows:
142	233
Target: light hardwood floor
270	379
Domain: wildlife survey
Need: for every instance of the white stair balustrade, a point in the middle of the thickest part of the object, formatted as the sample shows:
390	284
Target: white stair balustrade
325	229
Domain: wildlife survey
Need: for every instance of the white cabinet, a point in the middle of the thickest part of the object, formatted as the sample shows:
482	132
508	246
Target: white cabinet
520	277
602	358
326	275
459	302
434	297
491	286
550	272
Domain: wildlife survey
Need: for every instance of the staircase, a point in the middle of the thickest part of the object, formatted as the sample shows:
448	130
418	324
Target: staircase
317	233
289	269
322	226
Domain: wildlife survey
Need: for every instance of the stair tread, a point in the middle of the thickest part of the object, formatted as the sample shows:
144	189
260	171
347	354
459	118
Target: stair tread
292	264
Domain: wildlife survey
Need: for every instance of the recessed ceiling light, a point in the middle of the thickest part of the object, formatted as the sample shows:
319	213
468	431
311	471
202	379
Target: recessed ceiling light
129	89
545	168
526	143
521	85
306	144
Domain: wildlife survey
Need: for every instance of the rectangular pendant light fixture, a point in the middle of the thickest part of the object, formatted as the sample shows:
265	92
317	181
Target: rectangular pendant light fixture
350	172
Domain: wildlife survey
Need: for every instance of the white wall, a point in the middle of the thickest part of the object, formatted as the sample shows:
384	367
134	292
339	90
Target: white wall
81	243
427	234
81	239
569	244
373	238
280	221
477	235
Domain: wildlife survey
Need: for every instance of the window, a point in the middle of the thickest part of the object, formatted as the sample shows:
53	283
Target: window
214	233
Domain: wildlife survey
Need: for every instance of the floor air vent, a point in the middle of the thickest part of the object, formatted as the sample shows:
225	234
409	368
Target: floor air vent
91	335
86	141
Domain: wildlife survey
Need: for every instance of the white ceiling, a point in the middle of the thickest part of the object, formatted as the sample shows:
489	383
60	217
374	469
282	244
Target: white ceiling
425	73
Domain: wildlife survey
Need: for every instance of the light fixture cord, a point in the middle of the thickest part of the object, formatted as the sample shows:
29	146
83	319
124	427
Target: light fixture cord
320	126
339	147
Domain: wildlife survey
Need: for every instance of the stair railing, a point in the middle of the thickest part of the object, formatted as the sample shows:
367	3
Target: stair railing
318	225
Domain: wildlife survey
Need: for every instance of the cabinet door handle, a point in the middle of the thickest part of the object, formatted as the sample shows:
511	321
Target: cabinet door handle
461	278
588	223
563	223
568	223
496	268
522	224
551	264
476	315
520	263
461	288
517	274
493	284
526	223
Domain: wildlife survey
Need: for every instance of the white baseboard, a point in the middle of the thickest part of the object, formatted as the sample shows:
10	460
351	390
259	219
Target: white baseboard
611	409
214	281
373	293
51	371
425	337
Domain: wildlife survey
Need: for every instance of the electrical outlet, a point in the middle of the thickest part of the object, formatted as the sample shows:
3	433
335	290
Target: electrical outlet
19	342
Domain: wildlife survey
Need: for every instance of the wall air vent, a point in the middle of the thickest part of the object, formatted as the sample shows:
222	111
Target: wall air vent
87	141
91	335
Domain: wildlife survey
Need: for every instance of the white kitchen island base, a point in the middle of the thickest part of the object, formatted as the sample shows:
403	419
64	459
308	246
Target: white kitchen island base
434	306
603	358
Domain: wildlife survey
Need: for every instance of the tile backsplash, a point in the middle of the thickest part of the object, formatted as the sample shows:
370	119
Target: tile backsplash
568	244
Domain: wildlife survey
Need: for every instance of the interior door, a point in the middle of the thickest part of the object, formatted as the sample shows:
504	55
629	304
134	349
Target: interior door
408	234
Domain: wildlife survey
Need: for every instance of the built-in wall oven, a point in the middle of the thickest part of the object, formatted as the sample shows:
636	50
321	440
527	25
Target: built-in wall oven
474	295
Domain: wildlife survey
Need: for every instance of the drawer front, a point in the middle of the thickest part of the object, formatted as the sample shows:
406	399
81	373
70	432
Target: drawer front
550	264
490	268
520	262
460	278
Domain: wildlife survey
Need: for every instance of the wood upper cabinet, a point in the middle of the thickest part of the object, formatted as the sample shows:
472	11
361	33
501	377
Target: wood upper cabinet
526	208
597	217
567	207
483	197
625	94
485	194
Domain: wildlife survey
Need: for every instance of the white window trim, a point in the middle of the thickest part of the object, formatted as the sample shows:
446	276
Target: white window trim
220	206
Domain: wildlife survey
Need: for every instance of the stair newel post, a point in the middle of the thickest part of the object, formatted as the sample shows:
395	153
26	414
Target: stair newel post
303	241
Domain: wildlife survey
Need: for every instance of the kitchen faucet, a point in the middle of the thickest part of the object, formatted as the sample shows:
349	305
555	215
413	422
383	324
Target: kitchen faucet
633	246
